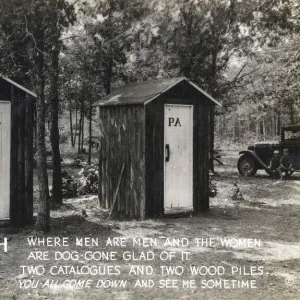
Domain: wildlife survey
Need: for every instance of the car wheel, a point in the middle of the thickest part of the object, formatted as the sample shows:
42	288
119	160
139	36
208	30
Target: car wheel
247	165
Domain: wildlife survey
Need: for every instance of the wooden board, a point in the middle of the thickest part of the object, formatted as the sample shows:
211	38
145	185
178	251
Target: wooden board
178	167
122	141
5	140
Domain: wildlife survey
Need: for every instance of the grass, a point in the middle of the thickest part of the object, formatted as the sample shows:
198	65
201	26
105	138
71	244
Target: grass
270	212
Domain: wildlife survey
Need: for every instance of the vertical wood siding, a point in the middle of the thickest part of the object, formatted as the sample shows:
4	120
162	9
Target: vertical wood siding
14	200
135	135
201	158
28	153
21	219
155	158
21	156
122	140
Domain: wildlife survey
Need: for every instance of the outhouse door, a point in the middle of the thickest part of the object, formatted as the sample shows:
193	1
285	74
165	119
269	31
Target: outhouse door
5	125
178	171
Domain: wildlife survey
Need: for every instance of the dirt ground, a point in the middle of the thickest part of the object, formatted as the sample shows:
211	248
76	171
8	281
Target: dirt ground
265	210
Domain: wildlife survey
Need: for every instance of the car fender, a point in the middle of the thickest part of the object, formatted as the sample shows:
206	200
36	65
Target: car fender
257	159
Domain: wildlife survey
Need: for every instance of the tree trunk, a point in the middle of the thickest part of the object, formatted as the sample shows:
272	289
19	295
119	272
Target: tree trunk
82	131
79	134
76	122
264	128
107	82
261	128
81	126
278	124
43	217
71	124
90	135
233	129
212	139
56	163
275	124
249	124
212	110
292	119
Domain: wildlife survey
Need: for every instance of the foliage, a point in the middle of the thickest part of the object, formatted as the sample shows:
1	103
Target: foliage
267	99
89	180
245	53
213	191
69	185
218	44
64	138
87	184
79	161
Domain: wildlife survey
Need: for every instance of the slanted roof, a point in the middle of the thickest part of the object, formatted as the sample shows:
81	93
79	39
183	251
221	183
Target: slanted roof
144	92
18	86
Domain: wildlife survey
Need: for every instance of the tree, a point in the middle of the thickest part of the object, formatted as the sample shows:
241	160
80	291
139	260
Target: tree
37	30
267	99
24	45
61	15
37	26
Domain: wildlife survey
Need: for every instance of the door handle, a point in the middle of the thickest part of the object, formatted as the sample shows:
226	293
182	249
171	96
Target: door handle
167	152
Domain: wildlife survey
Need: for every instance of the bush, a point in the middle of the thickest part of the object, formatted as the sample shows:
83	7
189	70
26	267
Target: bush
89	180
64	138
212	188
79	161
69	185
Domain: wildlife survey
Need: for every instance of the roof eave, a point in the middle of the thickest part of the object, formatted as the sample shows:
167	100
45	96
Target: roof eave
204	93
19	86
192	84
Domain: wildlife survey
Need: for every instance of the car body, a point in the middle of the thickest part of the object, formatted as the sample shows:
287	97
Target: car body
259	155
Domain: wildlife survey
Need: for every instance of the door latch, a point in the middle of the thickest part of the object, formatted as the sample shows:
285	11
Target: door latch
167	152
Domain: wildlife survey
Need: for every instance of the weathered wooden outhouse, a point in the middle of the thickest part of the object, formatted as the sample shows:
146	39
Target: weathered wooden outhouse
16	153
159	130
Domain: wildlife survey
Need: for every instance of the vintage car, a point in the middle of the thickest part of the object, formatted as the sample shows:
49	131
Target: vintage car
258	156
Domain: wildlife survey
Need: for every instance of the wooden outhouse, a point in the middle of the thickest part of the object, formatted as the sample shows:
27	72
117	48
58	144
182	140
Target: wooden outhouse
16	153
159	131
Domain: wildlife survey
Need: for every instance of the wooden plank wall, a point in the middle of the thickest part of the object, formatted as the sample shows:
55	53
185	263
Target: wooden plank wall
21	210
21	178
155	158
201	156
15	212
28	157
122	140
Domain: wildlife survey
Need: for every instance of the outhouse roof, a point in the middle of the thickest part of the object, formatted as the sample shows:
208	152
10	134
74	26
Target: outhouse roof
18	86
145	91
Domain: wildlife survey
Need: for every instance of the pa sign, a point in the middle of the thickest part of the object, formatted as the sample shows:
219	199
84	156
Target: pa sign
174	122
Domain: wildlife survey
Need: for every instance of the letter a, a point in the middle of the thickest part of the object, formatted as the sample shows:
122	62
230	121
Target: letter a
177	122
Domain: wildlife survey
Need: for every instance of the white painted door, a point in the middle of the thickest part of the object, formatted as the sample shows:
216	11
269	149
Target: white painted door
5	123
178	183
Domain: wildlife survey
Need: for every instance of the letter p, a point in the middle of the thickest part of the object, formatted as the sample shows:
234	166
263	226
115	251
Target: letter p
171	121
